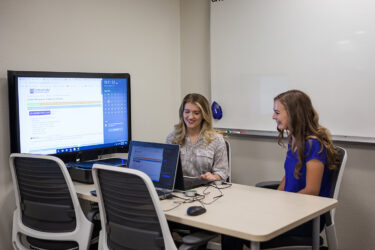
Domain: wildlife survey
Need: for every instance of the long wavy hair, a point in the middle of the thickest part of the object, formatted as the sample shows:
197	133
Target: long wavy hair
303	124
207	131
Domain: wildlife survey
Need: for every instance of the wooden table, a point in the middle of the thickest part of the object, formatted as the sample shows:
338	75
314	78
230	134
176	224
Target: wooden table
246	212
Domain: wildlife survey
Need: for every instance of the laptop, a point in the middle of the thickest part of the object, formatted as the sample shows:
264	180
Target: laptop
158	161
186	182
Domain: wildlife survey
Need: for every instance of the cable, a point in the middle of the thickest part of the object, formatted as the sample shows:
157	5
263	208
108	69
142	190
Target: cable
178	204
224	185
200	197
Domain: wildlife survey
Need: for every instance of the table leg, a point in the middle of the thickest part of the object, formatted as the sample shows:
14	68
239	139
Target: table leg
255	245
315	234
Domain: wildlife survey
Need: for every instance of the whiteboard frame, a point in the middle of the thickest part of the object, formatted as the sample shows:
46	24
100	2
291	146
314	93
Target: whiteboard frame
274	134
355	36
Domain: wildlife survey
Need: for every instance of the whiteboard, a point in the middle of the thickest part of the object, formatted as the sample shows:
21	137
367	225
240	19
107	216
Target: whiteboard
326	48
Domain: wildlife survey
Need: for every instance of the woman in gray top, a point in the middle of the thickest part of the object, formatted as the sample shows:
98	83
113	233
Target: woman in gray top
202	149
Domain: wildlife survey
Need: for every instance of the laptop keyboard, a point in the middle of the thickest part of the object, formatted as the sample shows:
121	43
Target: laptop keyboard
163	194
190	182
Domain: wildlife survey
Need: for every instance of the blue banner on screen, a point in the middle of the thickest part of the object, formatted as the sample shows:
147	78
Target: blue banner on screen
114	107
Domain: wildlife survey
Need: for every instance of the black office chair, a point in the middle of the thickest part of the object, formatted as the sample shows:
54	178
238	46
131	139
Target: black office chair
293	241
48	213
229	155
130	211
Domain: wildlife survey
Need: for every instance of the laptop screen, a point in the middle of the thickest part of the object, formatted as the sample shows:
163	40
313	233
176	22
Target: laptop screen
157	160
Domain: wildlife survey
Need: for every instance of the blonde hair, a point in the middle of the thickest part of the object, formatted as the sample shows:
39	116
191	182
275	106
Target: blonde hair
303	124
207	131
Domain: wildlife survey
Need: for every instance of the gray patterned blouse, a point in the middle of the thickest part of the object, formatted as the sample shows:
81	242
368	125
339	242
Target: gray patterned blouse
197	158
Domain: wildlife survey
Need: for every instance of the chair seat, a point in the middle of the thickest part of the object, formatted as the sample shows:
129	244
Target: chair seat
199	237
268	184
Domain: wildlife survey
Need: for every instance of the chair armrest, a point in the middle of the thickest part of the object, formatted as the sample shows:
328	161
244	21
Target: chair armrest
328	218
268	184
94	210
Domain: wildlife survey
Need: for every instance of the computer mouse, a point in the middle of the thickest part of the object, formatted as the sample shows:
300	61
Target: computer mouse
195	210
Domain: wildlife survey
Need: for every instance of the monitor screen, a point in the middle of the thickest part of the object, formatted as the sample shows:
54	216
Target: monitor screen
68	114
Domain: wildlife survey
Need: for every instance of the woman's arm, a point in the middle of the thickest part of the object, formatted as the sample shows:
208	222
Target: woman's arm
220	166
314	175
282	184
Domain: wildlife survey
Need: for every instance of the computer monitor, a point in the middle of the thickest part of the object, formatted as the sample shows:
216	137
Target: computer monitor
74	116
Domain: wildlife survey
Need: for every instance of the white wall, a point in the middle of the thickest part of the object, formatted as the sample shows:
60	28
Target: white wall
257	159
141	37
195	28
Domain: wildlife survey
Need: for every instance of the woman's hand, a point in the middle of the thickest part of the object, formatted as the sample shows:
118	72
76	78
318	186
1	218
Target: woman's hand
281	187
210	177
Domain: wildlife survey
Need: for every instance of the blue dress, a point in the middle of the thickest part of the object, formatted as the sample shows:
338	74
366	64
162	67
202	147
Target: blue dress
312	148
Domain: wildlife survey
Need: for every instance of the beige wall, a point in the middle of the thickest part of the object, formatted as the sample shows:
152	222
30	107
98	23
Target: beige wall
195	28
257	159
7	200
141	37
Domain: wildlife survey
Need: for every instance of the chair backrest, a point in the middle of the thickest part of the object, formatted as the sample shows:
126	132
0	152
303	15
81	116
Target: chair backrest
130	210
229	154
43	193
47	203
335	188
336	176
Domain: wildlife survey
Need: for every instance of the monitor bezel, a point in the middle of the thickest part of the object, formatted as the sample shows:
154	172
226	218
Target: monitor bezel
69	156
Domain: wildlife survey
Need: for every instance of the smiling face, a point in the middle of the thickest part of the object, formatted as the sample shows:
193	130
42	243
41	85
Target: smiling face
280	115
192	116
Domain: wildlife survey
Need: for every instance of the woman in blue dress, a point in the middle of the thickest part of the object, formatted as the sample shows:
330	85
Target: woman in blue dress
310	158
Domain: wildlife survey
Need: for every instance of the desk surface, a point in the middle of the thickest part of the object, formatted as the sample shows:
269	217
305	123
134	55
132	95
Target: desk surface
247	212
